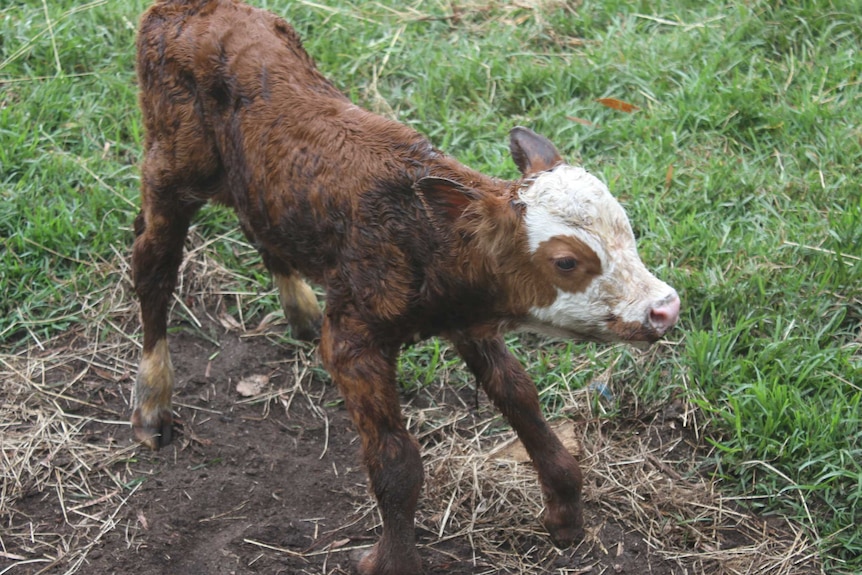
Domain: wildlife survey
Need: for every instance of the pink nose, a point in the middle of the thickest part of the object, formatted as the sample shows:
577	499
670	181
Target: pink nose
664	315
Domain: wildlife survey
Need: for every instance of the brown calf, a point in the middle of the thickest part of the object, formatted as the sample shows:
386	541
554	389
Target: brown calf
407	243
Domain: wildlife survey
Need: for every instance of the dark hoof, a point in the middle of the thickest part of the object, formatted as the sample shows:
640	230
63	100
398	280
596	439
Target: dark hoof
359	558
308	331
370	562
566	537
565	526
155	433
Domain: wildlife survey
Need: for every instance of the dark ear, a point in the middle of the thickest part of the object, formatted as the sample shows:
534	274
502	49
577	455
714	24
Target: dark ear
532	153
443	197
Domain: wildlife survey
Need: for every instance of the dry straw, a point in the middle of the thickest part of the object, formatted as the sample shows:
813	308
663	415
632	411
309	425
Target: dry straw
479	487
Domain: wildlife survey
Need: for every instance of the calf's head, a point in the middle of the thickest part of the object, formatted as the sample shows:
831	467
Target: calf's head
583	250
563	248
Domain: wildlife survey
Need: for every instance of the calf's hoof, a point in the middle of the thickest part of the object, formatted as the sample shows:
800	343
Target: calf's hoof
307	330
565	525
155	431
372	562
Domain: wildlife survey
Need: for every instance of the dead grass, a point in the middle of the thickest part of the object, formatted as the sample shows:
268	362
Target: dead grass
46	454
44	448
479	487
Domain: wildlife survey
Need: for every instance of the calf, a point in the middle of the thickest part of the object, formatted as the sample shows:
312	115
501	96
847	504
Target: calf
407	243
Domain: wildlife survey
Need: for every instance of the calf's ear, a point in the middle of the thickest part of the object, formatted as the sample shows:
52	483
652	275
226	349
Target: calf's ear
532	153
444	197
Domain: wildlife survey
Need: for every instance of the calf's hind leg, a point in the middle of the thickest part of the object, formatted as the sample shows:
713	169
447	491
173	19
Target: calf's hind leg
299	305
160	230
295	296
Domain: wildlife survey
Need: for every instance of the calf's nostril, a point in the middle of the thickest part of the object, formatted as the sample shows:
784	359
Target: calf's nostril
665	315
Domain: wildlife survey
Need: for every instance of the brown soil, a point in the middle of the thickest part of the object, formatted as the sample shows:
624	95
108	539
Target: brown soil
272	483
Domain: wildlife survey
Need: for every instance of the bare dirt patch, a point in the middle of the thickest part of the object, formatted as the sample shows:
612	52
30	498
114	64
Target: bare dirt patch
269	481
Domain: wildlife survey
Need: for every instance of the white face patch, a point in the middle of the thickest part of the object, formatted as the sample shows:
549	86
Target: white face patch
568	202
569	198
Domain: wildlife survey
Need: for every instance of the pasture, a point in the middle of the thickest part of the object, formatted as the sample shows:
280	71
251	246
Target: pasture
732	134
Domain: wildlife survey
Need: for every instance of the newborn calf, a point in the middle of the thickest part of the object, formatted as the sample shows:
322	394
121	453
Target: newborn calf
407	243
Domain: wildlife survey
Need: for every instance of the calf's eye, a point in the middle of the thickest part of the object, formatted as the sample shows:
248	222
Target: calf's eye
566	264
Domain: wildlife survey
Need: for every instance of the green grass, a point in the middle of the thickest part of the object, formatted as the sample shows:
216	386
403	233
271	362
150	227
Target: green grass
741	172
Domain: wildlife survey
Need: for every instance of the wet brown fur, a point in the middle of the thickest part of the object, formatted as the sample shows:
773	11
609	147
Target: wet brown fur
405	240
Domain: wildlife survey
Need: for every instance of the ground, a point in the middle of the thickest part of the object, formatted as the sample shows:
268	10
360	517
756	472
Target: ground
271	483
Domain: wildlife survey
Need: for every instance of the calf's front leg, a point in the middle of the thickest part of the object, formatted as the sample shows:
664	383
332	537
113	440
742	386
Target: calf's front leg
513	392
365	376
